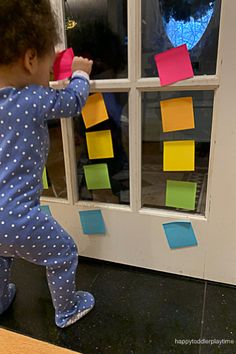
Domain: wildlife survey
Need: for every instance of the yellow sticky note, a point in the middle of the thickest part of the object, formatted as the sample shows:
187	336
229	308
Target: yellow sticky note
179	155
99	144
94	111
44	178
177	114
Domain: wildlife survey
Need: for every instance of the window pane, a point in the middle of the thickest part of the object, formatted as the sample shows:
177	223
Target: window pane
55	163
153	178
118	167
170	23
97	29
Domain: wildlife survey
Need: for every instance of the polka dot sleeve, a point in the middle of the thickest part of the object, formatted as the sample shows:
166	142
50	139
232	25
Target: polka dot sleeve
52	104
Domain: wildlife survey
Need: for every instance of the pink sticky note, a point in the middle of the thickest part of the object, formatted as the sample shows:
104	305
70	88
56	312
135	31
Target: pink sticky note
62	65
174	65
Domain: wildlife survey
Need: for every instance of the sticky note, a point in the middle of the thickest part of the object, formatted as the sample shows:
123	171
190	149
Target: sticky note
99	144
174	65
92	222
179	155
62	65
181	194
177	114
94	111
180	234
45	209
97	176
44	179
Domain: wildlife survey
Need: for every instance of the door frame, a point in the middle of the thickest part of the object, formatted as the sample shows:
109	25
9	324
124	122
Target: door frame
213	259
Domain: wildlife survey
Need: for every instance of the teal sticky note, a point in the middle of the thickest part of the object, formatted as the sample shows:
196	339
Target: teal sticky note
45	209
180	234
92	222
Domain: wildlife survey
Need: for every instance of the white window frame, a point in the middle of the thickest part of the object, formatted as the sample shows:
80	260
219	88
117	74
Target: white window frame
134	85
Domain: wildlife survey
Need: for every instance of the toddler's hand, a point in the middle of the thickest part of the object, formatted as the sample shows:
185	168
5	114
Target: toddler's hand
80	63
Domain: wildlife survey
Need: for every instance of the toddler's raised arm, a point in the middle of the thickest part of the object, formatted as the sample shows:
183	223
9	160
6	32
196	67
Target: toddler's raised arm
68	102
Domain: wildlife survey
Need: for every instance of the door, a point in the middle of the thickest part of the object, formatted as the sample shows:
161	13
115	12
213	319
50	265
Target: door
123	38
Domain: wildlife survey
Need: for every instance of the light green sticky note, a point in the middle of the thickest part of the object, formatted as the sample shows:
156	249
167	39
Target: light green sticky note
44	178
181	194
97	176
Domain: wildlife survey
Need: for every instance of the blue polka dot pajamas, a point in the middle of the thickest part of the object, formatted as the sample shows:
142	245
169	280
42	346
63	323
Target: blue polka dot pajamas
26	231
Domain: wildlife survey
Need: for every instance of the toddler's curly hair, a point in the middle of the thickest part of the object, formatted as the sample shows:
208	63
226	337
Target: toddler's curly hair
26	24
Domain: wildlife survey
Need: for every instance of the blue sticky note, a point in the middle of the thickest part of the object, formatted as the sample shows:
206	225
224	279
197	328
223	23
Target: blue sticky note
92	222
45	209
180	234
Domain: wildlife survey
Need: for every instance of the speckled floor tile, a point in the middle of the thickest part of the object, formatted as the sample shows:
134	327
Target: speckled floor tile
136	312
219	319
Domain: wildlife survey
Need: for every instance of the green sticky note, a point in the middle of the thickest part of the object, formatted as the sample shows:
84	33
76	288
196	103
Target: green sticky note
181	194
97	176
44	178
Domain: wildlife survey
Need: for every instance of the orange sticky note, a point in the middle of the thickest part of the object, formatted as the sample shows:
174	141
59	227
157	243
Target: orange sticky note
177	114
94	111
179	155
99	144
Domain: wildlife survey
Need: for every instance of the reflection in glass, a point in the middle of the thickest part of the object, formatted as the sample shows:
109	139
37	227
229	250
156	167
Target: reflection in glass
97	29
55	163
118	167
153	177
170	23
190	32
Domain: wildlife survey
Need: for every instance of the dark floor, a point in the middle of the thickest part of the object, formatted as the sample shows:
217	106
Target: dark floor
137	311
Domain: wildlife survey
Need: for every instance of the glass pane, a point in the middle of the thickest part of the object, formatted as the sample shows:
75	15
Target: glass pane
118	167
97	29
55	163
153	178
170	23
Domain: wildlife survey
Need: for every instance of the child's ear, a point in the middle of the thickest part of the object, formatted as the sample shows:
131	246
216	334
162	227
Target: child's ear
31	61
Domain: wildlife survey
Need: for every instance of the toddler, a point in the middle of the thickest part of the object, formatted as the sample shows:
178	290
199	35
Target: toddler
28	37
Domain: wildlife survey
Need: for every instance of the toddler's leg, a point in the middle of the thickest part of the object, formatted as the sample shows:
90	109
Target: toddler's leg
7	290
52	247
70	305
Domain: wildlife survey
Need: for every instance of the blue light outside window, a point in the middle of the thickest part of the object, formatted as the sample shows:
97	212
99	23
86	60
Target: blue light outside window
189	33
